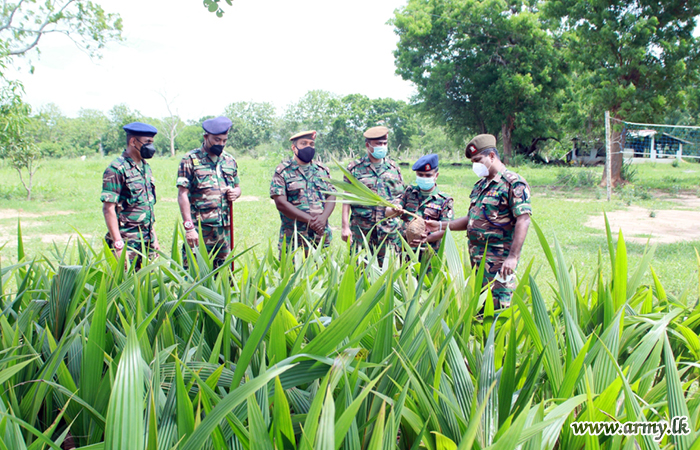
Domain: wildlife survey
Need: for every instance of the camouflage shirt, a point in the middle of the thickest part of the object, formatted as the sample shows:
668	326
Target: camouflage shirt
494	206
383	178
304	188
433	205
133	189
206	180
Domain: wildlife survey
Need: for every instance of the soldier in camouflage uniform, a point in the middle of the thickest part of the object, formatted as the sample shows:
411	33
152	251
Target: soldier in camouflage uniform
129	196
425	200
207	180
382	176
498	218
300	194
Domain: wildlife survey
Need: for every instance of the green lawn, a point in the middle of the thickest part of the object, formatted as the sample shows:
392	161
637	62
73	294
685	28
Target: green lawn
66	198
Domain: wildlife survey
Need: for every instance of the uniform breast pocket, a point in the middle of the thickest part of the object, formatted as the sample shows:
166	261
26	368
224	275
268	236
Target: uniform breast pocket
368	180
228	174
204	179
136	189
295	191
431	213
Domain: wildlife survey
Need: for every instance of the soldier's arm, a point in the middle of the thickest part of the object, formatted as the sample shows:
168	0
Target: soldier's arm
328	207
183	200
345	232
290	210
109	210
522	223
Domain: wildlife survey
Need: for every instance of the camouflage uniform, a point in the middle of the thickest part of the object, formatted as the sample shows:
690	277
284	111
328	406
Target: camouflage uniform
206	180
433	205
133	189
494	207
304	188
383	178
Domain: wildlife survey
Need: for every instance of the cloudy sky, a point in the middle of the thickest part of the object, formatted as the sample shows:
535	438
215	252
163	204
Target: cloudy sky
261	50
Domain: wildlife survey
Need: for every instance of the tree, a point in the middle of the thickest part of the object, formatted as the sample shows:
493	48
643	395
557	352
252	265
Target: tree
15	146
24	23
635	59
170	126
88	129
114	139
213	6
253	124
482	66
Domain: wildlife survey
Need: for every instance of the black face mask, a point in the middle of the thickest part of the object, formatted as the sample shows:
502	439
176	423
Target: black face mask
147	151
216	149
306	154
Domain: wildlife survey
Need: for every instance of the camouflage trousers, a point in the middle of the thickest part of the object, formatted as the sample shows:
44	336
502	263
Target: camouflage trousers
217	240
502	293
304	237
135	251
377	239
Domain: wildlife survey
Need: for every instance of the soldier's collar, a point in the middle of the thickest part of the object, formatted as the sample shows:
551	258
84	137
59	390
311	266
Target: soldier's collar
205	155
498	177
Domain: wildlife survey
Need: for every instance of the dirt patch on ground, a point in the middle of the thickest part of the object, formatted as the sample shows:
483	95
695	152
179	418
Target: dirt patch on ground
663	226
62	238
248	198
18	213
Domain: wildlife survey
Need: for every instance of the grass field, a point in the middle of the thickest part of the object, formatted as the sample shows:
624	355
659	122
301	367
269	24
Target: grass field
66	199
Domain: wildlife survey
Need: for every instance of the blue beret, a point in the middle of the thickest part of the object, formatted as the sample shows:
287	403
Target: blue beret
426	163
220	125
140	129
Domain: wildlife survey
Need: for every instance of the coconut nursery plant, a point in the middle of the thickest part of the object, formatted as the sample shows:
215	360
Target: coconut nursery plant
330	350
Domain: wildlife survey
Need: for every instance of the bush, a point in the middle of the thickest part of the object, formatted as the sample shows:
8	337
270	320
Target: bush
577	177
350	351
628	172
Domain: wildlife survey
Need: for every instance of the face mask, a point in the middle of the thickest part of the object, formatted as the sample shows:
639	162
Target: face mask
147	151
425	184
306	154
379	152
480	169
216	149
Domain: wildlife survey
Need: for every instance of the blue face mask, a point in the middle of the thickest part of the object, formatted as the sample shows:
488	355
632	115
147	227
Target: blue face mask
379	152
425	184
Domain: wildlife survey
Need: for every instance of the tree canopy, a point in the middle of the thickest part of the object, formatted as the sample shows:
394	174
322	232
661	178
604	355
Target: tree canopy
485	66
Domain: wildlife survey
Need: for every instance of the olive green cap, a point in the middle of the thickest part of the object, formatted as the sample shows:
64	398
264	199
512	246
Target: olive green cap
479	144
311	135
376	133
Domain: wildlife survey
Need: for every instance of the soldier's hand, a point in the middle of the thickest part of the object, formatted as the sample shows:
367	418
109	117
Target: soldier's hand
156	245
118	252
317	223
418	241
393	212
192	237
431	226
231	194
509	266
346	234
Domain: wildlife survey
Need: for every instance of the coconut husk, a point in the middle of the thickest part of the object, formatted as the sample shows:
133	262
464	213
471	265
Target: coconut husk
415	229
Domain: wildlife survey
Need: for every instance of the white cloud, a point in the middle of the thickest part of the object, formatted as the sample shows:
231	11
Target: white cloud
272	51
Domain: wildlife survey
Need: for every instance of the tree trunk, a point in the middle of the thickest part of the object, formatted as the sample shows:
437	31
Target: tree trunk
507	134
172	146
616	159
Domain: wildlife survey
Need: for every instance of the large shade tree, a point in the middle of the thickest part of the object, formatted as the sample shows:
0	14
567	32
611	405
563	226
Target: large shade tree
482	66
24	23
636	59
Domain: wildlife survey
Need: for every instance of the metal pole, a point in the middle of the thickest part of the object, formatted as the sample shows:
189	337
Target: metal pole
608	156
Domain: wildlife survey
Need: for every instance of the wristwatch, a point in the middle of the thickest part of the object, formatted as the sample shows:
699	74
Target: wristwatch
189	225
118	245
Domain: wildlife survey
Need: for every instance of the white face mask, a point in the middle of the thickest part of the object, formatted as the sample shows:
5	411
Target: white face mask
480	169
